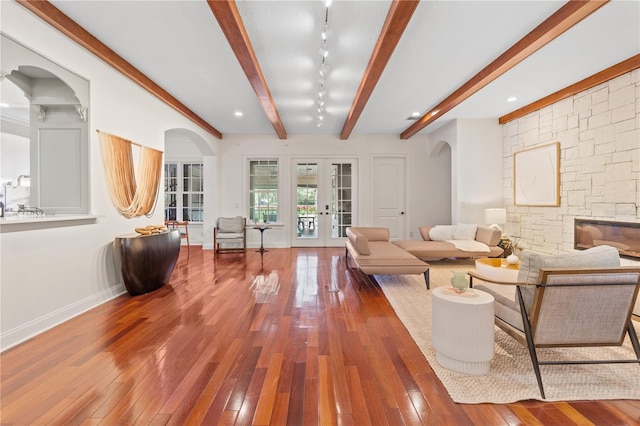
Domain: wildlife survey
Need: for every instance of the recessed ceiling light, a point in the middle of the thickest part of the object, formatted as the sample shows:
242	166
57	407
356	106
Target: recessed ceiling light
415	114
238	114
512	99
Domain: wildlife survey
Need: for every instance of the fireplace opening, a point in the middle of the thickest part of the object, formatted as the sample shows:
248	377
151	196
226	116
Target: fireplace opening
625	236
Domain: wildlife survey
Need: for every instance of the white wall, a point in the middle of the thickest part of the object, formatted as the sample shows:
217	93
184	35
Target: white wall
49	275
476	167
599	134
425	193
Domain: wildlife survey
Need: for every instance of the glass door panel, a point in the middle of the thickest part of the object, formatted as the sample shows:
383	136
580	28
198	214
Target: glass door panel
341	199
324	198
307	201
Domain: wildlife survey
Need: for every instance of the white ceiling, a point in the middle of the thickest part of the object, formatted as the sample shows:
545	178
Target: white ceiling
180	46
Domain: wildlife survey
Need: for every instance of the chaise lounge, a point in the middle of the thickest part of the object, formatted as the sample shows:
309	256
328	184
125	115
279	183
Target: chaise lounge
373	253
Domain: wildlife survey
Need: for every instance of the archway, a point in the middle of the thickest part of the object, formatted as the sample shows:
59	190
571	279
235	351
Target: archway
190	183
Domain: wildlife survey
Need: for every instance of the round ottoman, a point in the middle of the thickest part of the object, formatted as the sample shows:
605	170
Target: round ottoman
463	330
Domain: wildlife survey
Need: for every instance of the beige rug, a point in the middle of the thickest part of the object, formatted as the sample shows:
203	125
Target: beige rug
511	377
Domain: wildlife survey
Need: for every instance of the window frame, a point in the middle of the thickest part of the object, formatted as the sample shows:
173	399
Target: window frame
278	190
180	192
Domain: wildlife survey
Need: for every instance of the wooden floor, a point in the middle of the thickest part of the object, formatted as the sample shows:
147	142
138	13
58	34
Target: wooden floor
283	338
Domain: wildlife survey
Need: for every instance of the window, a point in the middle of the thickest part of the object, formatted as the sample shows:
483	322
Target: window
183	192
263	190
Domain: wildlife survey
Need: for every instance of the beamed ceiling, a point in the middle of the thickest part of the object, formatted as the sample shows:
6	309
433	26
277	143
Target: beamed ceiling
386	59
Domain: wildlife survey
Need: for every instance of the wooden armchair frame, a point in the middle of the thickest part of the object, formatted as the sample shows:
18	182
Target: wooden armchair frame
552	306
237	237
183	227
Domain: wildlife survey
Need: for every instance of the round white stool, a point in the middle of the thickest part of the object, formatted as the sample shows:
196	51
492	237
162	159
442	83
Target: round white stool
463	330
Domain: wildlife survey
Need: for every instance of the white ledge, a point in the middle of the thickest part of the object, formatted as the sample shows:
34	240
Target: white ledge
25	222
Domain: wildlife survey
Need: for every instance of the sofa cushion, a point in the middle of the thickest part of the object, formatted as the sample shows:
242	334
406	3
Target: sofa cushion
359	241
596	257
465	232
387	254
531	262
489	236
442	232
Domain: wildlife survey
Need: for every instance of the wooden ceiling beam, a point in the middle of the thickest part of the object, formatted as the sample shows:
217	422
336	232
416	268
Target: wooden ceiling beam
564	18
54	17
398	18
228	16
603	76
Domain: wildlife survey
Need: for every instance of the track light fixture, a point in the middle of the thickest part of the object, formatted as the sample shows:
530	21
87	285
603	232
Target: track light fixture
324	67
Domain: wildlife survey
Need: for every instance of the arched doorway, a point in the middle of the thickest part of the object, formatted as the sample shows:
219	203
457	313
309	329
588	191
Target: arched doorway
190	183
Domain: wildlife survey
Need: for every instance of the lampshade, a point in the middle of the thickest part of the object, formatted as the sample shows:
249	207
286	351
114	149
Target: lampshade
495	216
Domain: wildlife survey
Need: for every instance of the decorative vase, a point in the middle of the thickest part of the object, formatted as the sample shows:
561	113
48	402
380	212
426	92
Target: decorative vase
513	259
459	281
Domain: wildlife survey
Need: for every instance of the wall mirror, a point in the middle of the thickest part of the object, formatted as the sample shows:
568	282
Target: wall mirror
44	150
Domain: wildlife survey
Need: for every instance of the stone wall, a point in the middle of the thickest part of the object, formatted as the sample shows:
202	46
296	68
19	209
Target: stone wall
599	134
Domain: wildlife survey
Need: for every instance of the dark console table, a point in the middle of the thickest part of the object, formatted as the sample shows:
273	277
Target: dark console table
146	261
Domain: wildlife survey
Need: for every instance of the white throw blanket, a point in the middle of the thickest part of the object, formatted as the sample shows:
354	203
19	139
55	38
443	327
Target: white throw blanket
470	245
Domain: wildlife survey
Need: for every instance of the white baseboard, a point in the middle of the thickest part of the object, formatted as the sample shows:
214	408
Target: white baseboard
26	331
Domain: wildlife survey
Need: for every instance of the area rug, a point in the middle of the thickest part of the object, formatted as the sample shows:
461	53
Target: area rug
511	377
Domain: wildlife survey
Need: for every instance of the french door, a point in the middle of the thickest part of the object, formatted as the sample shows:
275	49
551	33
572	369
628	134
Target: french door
324	197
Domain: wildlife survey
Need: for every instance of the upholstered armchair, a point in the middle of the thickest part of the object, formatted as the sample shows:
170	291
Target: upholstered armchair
588	303
230	232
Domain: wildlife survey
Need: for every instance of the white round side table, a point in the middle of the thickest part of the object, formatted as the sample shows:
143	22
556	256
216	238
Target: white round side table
463	330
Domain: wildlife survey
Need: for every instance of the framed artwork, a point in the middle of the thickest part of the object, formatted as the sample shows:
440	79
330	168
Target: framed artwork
536	175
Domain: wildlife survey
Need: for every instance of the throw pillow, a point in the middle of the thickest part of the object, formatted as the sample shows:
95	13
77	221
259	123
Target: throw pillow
442	232
465	232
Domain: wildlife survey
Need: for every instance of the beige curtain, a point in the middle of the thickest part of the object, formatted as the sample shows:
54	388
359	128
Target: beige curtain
133	192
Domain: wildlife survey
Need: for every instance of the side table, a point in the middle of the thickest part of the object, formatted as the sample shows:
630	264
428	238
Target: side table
146	261
463	330
261	229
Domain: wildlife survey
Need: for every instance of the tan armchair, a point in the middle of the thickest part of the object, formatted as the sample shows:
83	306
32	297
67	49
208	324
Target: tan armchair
578	307
230	231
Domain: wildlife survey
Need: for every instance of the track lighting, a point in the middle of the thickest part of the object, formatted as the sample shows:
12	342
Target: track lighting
324	68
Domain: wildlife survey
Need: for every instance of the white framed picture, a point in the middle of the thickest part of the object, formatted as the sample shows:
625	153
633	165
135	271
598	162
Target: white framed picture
536	175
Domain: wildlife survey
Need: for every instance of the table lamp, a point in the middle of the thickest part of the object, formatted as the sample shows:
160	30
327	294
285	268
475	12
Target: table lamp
495	217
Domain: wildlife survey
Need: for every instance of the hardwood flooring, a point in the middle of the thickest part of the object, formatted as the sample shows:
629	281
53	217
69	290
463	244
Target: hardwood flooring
287	338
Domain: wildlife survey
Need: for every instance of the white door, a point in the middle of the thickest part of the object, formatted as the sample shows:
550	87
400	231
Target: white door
389	181
323	201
